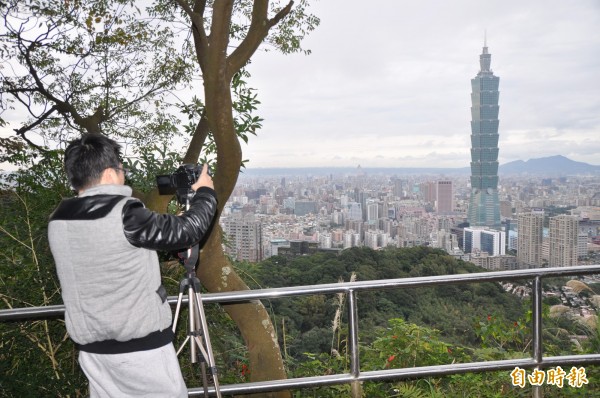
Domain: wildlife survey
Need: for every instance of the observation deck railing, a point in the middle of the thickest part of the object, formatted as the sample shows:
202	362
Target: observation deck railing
536	361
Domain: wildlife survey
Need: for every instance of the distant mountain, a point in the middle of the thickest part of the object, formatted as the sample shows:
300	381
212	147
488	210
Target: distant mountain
551	166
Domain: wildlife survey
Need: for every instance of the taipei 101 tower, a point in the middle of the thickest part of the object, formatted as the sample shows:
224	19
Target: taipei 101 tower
484	207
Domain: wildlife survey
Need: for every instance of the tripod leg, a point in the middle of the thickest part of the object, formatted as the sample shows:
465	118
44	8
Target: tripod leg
183	345
192	323
197	332
206	347
178	306
204	378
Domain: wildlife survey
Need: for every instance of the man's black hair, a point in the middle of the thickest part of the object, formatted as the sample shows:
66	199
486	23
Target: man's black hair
87	157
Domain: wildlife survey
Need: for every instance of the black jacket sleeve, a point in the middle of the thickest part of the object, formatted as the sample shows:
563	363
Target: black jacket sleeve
150	230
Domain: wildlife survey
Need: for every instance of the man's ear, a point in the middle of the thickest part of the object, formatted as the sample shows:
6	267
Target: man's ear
109	176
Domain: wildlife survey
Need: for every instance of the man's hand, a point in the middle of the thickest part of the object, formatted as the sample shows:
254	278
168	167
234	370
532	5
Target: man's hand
205	180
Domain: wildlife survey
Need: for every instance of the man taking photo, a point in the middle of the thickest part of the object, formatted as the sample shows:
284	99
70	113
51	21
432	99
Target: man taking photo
104	244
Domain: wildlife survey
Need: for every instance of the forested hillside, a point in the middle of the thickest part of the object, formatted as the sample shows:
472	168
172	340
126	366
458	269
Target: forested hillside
452	309
408	327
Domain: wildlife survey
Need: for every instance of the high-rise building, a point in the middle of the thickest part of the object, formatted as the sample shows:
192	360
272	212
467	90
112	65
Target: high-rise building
325	240
530	237
493	242
372	210
582	250
428	191
304	207
244	235
512	239
398	188
482	239
444	201
484	208
354	211
563	241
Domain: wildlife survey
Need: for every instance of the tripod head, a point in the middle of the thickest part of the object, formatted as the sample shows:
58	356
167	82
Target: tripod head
189	257
180	183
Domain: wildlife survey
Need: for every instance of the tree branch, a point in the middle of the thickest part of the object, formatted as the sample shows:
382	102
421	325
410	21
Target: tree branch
219	31
21	131
197	17
63	107
197	142
154	90
259	29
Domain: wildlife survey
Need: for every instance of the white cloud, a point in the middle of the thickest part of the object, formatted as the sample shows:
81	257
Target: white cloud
388	84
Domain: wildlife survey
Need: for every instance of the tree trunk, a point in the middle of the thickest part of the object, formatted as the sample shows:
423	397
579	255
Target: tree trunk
216	272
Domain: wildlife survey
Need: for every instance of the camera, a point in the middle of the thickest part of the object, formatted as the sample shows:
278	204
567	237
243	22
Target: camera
180	181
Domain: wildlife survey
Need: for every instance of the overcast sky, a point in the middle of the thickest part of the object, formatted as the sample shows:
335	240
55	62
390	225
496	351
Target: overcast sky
388	84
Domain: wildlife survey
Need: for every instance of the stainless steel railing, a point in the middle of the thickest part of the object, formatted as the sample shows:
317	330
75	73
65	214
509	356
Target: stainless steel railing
538	360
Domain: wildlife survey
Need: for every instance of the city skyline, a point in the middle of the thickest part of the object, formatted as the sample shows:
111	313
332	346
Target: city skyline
339	211
392	95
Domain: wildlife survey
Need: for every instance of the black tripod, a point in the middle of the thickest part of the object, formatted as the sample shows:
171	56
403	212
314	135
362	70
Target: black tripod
197	327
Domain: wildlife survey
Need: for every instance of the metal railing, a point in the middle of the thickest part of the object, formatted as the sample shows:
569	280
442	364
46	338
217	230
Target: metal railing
536	361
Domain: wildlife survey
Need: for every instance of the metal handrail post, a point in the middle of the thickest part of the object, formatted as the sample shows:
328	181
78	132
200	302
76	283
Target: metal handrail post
537	391
353	341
